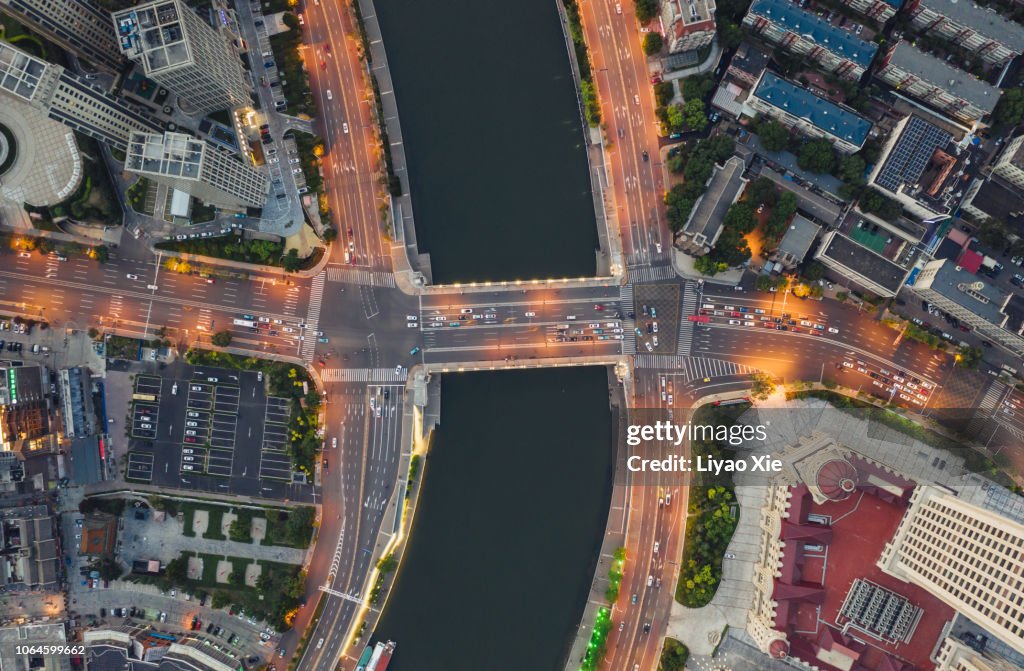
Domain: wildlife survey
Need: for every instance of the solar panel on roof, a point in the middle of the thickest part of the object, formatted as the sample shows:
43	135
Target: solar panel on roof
910	156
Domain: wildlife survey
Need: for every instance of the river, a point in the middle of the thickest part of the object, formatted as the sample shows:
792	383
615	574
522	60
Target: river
509	525
493	138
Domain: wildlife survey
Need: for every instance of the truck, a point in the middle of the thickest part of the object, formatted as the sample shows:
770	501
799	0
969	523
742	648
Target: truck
364	658
381	657
244	322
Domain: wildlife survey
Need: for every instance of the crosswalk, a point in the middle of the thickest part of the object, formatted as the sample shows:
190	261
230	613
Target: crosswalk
693	367
685	325
651	273
363	375
987	409
316	295
993	396
373	278
626	303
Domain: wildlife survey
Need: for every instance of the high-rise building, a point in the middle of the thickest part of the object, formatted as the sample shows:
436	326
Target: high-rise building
934	82
197	168
969	557
1010	163
183	53
978	30
990	312
955	655
688	25
80	26
827	46
69	98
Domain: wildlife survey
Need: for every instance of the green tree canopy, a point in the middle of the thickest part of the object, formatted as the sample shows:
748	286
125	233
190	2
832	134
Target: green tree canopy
696	114
652	43
817	156
1010	109
646	10
221	338
774	135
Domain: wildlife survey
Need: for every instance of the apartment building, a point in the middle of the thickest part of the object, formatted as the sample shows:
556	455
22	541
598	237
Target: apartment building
80	26
197	168
687	24
979	30
811	115
182	52
935	83
880	10
827	46
1010	163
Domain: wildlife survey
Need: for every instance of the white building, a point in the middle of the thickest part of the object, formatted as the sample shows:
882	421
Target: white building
969	557
1010	163
196	167
80	26
979	30
182	52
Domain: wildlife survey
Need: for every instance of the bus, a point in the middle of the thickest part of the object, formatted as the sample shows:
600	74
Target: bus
144	397
700	319
244	322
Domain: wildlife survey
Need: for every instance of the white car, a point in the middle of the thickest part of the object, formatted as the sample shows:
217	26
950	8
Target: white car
274	160
330	96
344	127
411	318
188	458
833	330
530	314
636	99
288	329
145	426
188	450
131	277
334	443
466	311
412	325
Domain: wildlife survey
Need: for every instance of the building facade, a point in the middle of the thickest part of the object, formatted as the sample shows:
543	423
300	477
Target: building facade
860	265
994	315
687	25
879	10
830	48
80	26
797	108
934	82
969	557
197	168
183	53
69	98
1010	163
978	30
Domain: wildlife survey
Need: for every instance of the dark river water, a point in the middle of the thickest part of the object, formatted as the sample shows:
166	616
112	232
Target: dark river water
493	138
510	521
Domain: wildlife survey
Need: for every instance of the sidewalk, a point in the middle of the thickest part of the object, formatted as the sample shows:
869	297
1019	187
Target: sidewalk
249	267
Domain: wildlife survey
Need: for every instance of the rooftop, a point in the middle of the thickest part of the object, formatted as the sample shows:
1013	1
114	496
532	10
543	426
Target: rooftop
1001	202
864	262
821	113
936	71
815	584
798	237
911	153
840	42
985	21
726	184
19	72
749	59
154	34
170	154
967	290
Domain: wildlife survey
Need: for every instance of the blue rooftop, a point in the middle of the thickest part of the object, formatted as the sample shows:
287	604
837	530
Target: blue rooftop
843	43
820	112
894	3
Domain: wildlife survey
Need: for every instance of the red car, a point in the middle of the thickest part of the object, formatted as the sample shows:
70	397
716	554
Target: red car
599	307
327	47
323	65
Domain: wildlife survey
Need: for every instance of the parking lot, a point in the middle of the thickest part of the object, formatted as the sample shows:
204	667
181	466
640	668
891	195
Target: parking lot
210	429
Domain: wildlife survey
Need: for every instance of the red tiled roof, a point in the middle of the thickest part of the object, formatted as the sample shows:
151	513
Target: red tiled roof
805	532
805	591
970	260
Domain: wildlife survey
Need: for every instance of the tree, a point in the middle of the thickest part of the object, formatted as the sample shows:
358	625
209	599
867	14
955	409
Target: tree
729	35
801	290
646	10
221	338
774	136
664	92
851	169
762	386
698	86
1010	109
102	253
761	192
176	571
220	599
673	656
740	217
653	43
993	233
94	332
817	156
968	357
873	201
706	265
695	113
814	271
674	117
289	19
291	261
